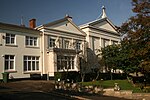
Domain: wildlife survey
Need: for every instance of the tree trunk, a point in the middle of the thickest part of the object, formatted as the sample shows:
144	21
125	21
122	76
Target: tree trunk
82	76
111	75
97	75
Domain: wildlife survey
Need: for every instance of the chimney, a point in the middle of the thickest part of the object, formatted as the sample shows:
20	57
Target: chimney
32	23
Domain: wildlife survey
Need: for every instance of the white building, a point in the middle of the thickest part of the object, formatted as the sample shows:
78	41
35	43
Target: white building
100	33
19	51
54	47
62	44
50	48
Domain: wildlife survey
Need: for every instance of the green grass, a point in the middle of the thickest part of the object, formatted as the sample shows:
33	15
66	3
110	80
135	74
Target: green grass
124	84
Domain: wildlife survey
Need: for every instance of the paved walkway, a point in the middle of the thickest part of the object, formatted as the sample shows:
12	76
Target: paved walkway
43	90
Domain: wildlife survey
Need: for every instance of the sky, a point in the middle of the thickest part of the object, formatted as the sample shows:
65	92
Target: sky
45	11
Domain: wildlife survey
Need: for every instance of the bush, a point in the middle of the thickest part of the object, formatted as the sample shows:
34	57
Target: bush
72	76
57	76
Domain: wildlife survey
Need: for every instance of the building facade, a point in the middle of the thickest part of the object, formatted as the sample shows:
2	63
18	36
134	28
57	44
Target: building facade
62	45
99	34
44	50
57	46
19	51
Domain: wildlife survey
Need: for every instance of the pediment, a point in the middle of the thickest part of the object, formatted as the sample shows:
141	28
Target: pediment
105	24
65	26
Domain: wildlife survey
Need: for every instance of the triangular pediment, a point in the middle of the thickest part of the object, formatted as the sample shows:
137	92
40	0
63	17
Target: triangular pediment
65	25
104	24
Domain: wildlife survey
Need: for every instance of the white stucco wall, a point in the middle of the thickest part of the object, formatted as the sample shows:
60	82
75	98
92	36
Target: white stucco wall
18	50
94	38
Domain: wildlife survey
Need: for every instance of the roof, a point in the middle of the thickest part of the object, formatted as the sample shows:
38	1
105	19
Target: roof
16	27
98	21
66	18
101	19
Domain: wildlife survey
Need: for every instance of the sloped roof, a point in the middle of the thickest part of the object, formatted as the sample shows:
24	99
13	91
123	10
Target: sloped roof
16	27
102	23
96	22
67	18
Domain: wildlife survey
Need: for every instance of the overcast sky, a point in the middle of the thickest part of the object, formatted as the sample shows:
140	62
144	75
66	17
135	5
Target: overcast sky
45	11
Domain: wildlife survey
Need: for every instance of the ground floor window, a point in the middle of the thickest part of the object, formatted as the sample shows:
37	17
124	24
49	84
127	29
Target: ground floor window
65	62
9	62
31	63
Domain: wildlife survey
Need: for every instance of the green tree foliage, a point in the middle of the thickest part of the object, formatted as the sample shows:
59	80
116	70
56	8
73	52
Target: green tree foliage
136	33
133	54
125	61
118	57
110	56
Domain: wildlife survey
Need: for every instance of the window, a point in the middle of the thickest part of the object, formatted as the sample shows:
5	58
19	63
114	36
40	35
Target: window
51	42
31	41
10	38
65	62
114	42
104	43
66	44
31	63
9	62
78	45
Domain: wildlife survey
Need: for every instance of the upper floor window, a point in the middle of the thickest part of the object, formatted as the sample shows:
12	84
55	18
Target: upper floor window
114	42
10	38
51	42
31	41
78	45
104	43
9	62
66	44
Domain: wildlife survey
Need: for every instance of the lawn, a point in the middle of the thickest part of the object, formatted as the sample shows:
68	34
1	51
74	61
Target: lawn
124	84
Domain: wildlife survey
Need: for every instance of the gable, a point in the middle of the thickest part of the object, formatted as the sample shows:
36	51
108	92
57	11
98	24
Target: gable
105	25
66	26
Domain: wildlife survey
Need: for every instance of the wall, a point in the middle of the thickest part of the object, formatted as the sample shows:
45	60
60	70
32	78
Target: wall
19	50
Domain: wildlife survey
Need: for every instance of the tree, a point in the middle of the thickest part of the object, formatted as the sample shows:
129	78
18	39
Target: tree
126	62
110	56
136	33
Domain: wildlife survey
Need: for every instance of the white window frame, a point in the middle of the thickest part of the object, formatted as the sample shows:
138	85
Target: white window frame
51	42
66	44
10	39
114	42
104	43
67	61
31	63
31	41
78	45
9	62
